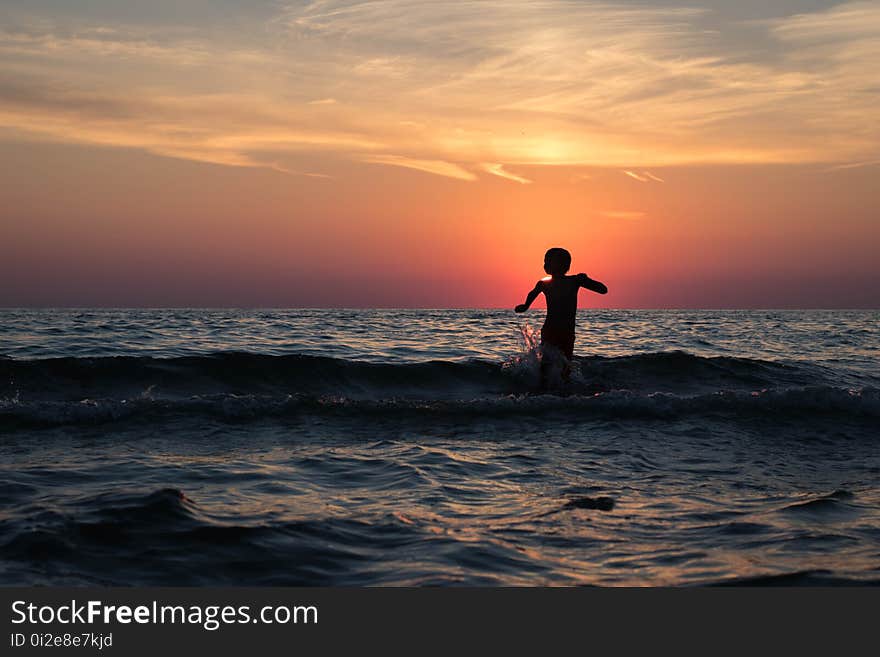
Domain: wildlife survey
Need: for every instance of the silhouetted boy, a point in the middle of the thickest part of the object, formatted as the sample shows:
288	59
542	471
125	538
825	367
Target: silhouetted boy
561	292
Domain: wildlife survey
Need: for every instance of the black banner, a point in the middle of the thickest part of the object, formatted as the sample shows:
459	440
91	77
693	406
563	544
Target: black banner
270	621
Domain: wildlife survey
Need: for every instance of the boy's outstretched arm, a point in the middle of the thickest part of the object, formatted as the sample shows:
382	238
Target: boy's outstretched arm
531	296
590	284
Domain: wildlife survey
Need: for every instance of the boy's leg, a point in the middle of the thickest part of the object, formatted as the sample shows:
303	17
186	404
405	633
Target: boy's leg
568	350
550	353
556	345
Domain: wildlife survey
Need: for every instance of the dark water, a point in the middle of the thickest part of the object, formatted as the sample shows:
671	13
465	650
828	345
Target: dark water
391	447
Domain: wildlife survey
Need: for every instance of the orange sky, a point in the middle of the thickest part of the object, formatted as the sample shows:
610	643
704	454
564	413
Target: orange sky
401	153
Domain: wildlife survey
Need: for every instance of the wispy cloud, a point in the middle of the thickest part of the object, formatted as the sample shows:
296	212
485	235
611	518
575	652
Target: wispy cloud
133	44
644	176
846	22
437	167
615	83
499	170
295	172
235	130
607	84
622	214
854	165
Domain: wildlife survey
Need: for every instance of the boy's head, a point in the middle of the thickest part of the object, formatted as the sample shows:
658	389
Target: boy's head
557	261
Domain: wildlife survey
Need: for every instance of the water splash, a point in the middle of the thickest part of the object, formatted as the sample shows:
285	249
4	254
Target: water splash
538	367
525	365
529	338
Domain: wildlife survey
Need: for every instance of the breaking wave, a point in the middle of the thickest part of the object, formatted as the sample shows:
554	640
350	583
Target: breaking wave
241	386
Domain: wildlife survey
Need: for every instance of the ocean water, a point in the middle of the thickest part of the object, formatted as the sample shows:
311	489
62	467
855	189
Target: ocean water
417	447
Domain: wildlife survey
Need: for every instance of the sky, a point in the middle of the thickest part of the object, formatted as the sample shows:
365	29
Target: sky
264	153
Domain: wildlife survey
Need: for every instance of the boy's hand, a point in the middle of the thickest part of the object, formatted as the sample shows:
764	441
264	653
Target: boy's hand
521	308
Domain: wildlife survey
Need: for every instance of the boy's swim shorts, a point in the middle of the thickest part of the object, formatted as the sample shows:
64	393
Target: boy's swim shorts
562	339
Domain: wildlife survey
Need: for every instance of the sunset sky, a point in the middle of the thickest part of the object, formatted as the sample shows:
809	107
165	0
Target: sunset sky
399	153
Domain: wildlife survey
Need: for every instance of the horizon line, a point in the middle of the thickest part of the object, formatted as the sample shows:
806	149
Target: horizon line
658	308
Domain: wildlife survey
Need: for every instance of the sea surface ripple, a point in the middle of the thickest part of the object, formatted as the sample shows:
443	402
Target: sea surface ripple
419	447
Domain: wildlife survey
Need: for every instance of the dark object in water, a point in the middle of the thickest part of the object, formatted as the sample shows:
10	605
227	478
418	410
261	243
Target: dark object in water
600	503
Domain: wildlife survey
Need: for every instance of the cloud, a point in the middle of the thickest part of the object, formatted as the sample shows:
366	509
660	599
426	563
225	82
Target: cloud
294	172
436	167
622	214
854	165
551	82
848	22
233	130
97	43
498	170
615	83
644	176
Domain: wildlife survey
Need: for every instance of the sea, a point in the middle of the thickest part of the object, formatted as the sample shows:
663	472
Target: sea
340	447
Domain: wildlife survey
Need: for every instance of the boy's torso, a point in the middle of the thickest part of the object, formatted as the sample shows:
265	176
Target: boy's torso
561	294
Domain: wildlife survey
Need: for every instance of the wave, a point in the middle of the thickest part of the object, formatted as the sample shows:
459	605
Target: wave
802	404
240	386
240	373
246	373
797	578
118	538
143	536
